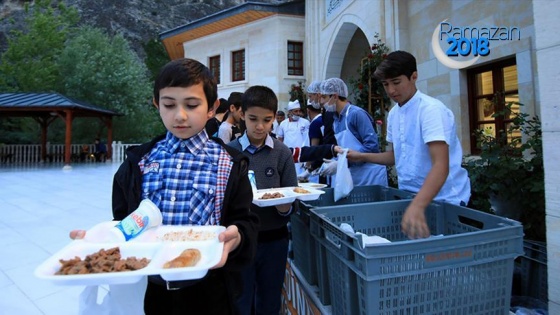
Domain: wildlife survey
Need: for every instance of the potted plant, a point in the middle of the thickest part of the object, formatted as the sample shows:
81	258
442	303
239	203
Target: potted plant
507	178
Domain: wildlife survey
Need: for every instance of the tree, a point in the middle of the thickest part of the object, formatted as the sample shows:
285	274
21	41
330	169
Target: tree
29	63
107	73
156	57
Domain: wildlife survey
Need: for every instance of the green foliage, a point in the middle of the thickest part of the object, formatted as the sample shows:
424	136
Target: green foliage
29	64
107	73
297	92
156	57
364	84
511	168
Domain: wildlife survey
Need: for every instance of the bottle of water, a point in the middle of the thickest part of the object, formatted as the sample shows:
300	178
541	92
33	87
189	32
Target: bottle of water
253	181
146	216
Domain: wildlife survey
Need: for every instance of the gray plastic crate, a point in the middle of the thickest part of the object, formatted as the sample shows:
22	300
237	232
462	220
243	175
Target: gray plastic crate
468	270
306	253
534	274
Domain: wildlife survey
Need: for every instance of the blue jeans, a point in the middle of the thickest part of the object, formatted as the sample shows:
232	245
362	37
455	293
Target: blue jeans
263	280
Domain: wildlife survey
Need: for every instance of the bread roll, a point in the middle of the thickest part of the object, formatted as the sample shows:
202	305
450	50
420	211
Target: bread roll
188	258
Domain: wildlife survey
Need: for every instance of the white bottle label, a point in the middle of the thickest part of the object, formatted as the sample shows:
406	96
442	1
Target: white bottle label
147	215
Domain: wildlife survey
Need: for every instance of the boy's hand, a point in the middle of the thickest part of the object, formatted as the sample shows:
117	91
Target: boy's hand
231	239
354	156
414	224
77	234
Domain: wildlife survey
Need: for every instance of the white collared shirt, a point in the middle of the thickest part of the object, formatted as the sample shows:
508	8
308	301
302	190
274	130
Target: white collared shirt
424	119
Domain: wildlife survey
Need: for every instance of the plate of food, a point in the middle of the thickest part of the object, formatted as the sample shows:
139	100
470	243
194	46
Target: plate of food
84	263
306	194
174	252
187	260
181	233
274	196
311	185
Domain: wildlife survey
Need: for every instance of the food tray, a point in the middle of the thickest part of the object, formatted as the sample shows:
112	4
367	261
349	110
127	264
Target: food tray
312	185
145	245
289	196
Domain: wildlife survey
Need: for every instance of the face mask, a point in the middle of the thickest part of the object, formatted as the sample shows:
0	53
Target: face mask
329	107
295	117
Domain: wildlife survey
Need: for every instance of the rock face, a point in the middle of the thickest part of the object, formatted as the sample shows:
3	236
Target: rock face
137	20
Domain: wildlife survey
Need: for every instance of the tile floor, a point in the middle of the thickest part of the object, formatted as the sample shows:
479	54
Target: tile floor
39	205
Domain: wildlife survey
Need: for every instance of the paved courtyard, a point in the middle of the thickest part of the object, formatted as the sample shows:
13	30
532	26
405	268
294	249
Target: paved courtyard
39	205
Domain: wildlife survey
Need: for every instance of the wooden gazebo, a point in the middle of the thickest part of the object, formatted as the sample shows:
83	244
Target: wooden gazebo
47	107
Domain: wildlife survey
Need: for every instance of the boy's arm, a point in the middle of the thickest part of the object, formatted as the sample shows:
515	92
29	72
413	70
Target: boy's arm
288	178
239	214
362	123
319	152
414	220
383	158
119	198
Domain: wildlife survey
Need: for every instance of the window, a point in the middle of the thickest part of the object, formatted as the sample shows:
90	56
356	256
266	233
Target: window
238	65
491	87
295	58
215	67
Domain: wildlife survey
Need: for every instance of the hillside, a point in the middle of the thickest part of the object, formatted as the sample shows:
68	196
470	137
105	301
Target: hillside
138	20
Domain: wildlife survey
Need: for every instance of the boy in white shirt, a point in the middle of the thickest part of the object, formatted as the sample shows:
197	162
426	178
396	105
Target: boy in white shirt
426	150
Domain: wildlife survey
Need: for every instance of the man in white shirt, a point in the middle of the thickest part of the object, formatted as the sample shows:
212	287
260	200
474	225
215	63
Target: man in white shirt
426	150
294	130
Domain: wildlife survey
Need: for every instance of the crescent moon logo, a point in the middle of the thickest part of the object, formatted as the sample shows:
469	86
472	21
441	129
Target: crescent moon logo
443	58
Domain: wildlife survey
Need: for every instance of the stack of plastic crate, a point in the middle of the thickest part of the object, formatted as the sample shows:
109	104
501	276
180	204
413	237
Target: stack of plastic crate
466	267
309	258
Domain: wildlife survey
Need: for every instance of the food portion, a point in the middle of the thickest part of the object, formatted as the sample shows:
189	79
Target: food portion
271	195
300	190
188	258
190	235
102	261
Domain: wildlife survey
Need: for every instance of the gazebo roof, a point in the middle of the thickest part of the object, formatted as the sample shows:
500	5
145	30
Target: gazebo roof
41	104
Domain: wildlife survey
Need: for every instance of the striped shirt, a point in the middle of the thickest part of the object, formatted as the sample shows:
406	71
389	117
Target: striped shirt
186	179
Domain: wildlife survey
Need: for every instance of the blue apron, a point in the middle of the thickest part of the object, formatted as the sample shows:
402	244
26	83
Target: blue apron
362	173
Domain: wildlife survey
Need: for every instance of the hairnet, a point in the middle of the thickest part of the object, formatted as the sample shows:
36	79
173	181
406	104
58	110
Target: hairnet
314	87
334	86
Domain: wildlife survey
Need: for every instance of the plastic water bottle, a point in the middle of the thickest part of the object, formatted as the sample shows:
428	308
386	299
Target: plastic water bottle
252	180
146	216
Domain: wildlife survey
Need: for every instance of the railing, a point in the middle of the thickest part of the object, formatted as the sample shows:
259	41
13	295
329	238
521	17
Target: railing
31	153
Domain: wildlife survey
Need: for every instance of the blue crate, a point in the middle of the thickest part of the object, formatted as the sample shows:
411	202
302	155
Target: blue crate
307	254
467	271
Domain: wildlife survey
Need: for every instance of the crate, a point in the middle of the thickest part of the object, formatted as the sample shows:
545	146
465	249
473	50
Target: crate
532	267
468	270
306	253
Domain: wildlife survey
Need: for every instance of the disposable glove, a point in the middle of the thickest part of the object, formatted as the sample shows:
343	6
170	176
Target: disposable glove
328	168
303	176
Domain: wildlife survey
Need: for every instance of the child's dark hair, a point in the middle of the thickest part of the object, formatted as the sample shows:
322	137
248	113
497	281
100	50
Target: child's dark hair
260	96
187	72
235	99
396	64
224	106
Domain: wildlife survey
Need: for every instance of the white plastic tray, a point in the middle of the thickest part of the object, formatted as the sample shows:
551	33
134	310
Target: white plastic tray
312	185
313	194
289	196
145	245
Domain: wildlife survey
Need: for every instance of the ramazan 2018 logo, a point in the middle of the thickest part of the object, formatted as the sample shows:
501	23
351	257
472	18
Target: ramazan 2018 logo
468	41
